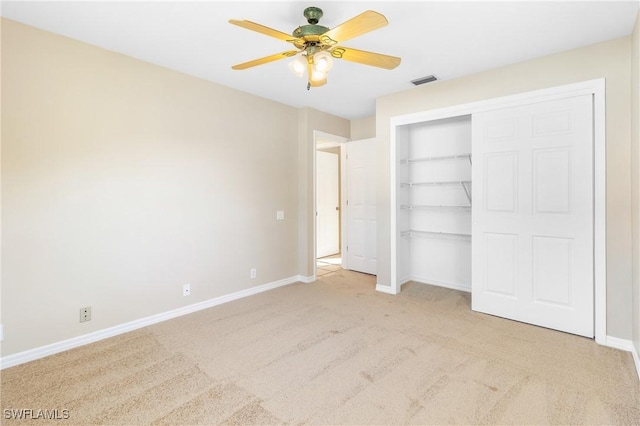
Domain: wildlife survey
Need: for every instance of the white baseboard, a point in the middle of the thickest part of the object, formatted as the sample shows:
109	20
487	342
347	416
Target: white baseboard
306	280
54	348
617	343
445	284
454	286
636	360
385	289
624	345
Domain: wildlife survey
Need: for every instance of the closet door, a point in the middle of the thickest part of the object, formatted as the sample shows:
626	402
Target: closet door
532	220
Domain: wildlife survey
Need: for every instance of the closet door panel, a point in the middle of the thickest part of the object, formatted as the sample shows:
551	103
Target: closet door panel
533	181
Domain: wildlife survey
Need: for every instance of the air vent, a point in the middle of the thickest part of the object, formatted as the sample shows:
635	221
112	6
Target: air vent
423	80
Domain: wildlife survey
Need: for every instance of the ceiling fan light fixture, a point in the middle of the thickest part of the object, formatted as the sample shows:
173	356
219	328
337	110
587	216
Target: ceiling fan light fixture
322	61
317	75
299	65
317	83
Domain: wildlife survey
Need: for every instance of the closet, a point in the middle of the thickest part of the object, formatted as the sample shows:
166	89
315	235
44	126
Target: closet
505	199
434	202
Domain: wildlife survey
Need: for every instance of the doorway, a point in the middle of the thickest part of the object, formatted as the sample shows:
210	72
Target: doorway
329	194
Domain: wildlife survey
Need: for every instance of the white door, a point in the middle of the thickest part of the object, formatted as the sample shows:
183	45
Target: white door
532	238
328	203
361	206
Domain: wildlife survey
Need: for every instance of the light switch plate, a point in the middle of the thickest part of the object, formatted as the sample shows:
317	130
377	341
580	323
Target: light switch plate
280	215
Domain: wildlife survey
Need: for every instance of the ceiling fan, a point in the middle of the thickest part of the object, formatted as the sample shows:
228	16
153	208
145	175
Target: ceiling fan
318	45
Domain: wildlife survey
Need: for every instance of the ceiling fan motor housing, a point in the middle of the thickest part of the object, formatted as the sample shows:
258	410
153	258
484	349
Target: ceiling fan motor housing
312	31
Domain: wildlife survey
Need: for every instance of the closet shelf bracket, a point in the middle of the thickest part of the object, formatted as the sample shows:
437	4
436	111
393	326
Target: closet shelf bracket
467	191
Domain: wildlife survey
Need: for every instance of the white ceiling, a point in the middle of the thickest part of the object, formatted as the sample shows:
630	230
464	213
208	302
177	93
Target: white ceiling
449	39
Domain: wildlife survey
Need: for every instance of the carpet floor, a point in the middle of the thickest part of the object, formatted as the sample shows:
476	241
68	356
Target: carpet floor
333	352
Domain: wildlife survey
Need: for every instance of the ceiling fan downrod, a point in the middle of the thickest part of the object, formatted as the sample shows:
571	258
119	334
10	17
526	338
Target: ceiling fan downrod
313	14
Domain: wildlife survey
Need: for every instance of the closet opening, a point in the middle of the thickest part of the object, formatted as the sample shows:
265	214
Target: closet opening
433	208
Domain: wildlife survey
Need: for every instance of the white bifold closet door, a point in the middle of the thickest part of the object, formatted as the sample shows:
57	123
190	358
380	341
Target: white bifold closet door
532	219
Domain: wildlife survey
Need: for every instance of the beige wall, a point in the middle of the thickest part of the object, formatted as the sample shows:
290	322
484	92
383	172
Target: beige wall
309	120
121	181
635	178
610	60
1	345
363	128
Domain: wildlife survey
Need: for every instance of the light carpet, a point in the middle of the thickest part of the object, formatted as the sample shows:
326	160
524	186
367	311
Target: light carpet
334	352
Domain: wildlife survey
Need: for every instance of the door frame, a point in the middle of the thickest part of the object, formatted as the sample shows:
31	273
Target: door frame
596	88
327	140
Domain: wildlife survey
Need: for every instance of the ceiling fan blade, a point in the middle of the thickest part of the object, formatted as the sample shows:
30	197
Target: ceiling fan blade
265	60
366	58
264	30
361	24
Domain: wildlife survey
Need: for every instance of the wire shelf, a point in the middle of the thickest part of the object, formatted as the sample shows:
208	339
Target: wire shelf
443	183
440	235
437	158
434	207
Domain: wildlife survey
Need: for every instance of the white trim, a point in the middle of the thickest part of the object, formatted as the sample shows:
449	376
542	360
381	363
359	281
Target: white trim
306	280
636	359
599	211
74	342
326	145
624	345
385	289
618	343
332	140
594	87
395	285
343	205
438	283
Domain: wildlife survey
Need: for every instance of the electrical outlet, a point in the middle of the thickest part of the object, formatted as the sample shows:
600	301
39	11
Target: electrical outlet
186	290
85	314
253	273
